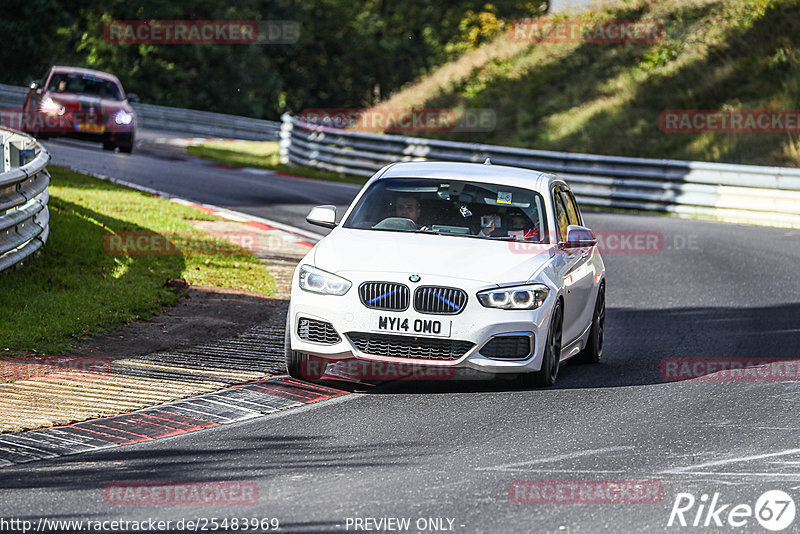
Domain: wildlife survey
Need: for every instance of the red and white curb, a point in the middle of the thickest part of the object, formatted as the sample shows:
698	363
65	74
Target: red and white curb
283	231
288	233
237	403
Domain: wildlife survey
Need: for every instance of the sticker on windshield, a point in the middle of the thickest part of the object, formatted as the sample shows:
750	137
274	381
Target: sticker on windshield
465	211
503	198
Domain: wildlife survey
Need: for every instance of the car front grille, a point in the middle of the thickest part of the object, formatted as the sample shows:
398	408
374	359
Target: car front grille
388	296
507	347
439	300
317	331
423	348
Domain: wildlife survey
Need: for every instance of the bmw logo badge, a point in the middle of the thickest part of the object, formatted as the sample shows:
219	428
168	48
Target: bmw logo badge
414	278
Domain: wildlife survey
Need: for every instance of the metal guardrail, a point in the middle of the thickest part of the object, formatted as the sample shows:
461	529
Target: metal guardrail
176	119
24	217
206	123
12	96
733	193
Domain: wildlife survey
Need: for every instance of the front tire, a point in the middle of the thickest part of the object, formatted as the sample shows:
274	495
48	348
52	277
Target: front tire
594	347
299	365
551	362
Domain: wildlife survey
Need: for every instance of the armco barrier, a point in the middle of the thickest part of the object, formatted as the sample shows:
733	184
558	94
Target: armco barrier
24	218
206	123
733	193
176	119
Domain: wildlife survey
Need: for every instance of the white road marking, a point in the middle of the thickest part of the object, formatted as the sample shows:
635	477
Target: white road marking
690	468
743	473
252	170
559	457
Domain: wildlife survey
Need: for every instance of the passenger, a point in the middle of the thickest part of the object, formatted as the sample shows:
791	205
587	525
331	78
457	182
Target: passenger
521	228
518	226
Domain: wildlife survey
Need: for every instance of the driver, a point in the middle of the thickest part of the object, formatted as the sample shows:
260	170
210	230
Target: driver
408	207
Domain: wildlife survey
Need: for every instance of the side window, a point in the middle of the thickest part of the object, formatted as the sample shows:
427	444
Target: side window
573	215
562	220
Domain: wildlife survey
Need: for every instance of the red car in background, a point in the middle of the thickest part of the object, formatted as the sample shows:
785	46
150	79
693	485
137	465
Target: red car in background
84	104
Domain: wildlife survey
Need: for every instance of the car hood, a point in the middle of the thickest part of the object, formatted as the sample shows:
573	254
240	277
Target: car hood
486	261
72	101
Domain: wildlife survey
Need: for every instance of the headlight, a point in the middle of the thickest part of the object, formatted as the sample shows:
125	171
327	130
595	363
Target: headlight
318	281
48	105
514	298
123	117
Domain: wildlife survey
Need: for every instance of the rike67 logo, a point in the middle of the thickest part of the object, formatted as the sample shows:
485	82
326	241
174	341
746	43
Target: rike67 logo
773	510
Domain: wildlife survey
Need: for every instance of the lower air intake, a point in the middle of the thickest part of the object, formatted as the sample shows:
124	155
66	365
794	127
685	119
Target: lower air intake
507	347
317	331
423	348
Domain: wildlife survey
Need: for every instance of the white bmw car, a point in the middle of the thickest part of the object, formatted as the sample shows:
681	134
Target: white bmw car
446	266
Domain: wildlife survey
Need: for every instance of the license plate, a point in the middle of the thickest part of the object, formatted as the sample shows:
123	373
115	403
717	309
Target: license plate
409	325
94	128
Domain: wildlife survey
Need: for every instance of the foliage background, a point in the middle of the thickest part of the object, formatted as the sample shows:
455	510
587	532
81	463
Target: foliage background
350	52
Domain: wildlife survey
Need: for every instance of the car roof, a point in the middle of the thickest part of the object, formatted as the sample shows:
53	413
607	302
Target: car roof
472	172
79	70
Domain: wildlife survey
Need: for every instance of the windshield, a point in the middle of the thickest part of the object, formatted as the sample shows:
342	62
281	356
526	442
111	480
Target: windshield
452	207
85	84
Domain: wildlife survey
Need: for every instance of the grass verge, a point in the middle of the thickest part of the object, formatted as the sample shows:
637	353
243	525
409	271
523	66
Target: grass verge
262	155
604	98
79	286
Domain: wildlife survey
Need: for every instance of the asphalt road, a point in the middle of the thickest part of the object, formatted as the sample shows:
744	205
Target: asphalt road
451	450
260	193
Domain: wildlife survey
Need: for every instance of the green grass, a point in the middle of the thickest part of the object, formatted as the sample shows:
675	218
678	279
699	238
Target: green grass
607	98
262	155
74	288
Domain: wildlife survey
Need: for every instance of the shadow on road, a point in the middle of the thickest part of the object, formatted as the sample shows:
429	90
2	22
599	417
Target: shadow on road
638	341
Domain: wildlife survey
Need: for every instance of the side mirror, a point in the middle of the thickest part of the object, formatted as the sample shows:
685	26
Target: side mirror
35	85
324	216
133	98
578	237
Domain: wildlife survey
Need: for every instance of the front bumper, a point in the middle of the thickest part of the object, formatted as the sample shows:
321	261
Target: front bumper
105	130
474	325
